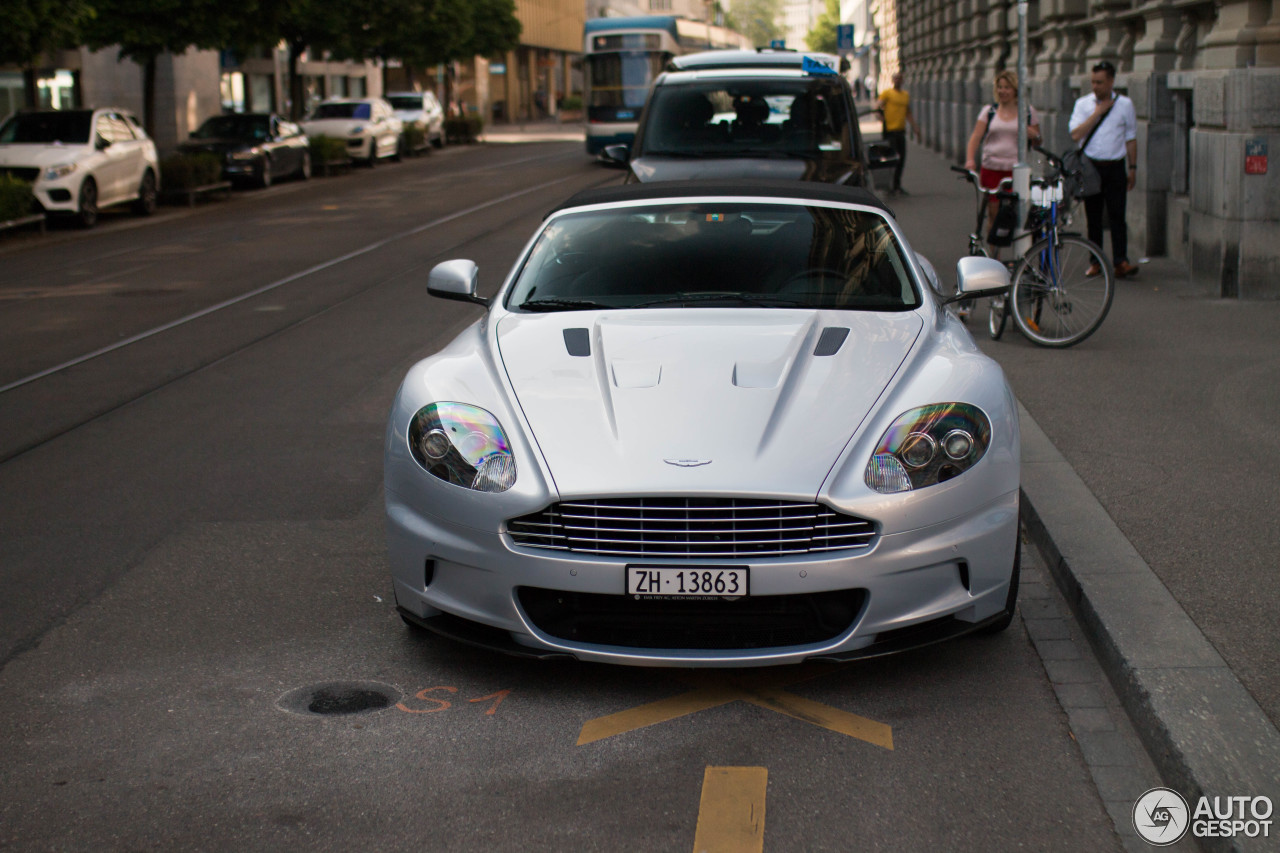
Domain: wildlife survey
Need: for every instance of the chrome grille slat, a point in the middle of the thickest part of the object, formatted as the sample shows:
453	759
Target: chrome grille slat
660	528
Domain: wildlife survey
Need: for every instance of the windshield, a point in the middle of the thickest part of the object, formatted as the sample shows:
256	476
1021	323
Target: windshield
782	116
234	127
342	111
619	83
71	127
716	254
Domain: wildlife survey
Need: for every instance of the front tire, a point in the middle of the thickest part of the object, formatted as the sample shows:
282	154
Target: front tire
87	204
304	168
1055	301
146	203
997	316
264	173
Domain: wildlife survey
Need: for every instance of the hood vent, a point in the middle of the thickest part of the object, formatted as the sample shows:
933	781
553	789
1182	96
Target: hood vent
830	341
578	342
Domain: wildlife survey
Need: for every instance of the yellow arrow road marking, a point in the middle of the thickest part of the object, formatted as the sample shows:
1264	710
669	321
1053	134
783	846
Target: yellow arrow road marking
731	813
824	715
656	712
763	690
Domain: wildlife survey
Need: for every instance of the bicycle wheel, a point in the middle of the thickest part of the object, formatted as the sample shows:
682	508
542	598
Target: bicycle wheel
1055	301
997	316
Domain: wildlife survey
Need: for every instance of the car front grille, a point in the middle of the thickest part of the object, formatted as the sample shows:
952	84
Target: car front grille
691	527
21	173
749	622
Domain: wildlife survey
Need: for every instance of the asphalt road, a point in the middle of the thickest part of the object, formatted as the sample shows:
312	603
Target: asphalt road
193	535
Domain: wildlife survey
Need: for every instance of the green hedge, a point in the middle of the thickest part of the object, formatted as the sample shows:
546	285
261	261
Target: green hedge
188	171
415	137
328	149
463	128
571	102
16	198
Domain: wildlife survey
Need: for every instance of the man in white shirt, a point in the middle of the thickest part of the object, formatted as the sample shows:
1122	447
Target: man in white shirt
1113	148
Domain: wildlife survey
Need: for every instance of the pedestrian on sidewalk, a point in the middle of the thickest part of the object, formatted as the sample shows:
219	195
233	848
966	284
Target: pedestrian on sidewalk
996	133
895	112
1113	149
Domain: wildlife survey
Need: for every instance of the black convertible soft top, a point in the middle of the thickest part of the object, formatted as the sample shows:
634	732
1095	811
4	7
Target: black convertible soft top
802	190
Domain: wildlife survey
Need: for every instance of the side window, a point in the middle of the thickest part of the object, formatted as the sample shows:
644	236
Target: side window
102	130
120	131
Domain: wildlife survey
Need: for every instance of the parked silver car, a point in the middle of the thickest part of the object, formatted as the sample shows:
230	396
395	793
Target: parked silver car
368	125
708	425
421	110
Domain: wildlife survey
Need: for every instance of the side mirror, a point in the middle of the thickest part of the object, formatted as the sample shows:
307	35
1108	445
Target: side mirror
880	155
616	155
978	277
455	280
101	143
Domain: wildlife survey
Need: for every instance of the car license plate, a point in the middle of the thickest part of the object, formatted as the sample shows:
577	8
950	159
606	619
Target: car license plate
687	581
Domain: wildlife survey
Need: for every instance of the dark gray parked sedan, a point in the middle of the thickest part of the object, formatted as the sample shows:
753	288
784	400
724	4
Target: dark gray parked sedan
254	147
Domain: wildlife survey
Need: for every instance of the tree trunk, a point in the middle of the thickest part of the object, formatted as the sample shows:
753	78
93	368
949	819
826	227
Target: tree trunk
297	98
149	96
29	93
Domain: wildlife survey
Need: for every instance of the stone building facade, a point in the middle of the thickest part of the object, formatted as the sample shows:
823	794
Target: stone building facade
1204	76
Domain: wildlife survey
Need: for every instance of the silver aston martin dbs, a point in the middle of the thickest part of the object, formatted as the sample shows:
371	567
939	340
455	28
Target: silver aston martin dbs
706	425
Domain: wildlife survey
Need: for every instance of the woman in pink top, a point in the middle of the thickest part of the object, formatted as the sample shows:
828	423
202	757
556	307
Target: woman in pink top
996	132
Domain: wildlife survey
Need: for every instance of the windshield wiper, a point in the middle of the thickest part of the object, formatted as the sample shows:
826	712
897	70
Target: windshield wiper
558	304
761	300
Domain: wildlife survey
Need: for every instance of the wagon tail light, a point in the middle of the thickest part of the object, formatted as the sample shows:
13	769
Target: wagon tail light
463	445
927	446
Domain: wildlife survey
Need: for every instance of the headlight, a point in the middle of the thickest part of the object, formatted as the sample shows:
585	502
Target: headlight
463	445
59	171
251	154
357	130
927	446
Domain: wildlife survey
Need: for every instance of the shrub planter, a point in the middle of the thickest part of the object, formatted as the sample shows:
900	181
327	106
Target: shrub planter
463	130
188	195
329	155
186	177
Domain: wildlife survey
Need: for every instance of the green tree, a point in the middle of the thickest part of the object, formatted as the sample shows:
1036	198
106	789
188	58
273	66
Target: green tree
823	35
144	29
757	20
34	27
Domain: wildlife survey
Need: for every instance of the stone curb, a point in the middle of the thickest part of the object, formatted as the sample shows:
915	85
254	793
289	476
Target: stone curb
1204	731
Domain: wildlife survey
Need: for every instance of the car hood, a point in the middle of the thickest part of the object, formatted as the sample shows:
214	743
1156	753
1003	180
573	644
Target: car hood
659	168
699	398
41	156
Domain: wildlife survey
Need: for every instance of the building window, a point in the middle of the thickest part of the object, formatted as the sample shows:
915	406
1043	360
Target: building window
232	86
659	5
57	91
357	87
262	93
10	92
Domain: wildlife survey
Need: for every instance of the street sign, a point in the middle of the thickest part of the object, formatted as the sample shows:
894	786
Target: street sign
844	37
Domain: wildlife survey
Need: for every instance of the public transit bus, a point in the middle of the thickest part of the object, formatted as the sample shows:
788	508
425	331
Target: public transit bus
624	55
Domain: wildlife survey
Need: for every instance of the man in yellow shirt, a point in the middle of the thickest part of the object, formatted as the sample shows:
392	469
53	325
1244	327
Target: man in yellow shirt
895	109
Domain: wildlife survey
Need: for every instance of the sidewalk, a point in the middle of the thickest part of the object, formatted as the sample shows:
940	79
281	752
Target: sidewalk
1151	484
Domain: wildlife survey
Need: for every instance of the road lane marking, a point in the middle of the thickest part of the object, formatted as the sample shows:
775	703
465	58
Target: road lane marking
731	811
762	690
141	336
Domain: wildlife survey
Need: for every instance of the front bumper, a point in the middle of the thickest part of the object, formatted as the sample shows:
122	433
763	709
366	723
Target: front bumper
910	588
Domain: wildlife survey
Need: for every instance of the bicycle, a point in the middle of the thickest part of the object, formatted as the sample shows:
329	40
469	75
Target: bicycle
1062	286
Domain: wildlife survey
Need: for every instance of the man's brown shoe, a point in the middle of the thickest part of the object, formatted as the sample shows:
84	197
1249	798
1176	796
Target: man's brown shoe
1124	269
1094	271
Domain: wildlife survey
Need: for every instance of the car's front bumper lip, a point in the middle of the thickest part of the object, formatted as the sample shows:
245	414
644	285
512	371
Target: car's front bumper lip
912	579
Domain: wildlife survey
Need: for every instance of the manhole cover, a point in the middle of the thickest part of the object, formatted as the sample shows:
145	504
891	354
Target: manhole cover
340	698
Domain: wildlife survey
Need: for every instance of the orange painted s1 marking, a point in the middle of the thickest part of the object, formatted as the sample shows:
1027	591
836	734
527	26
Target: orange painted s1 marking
441	704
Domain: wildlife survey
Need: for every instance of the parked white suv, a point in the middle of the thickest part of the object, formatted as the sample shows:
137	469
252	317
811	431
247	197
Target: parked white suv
79	161
369	126
421	110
